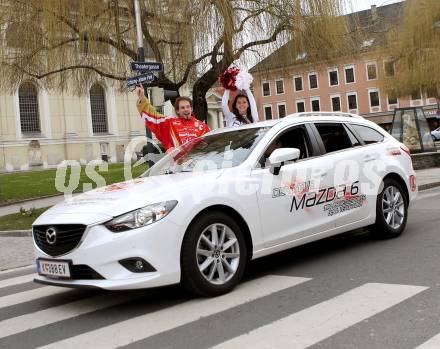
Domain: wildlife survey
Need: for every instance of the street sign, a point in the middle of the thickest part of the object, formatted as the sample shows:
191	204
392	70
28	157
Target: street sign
140	79
146	66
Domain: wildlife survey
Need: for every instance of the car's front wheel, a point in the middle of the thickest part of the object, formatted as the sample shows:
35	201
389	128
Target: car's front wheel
391	211
214	255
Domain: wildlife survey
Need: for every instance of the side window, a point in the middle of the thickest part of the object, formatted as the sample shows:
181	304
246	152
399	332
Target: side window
296	137
368	134
335	137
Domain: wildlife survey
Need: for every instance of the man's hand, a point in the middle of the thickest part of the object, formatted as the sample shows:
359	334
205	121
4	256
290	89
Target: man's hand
140	92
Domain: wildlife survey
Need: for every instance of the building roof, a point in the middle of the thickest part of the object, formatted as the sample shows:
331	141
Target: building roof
374	24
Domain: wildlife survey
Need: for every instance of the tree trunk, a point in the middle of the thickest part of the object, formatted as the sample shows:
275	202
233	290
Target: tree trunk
202	86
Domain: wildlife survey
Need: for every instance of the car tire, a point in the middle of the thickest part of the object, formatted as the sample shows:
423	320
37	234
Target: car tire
207	277
391	214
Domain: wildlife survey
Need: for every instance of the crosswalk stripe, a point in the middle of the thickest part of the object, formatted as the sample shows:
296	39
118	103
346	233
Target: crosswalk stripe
144	326
63	312
432	343
312	325
17	280
26	296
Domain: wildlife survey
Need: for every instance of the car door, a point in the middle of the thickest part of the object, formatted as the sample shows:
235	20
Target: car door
346	154
291	203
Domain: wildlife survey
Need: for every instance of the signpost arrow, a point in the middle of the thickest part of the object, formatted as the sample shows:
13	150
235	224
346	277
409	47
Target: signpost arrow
140	79
146	66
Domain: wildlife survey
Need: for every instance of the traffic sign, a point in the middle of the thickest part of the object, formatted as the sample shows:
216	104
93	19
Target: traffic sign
146	66
140	79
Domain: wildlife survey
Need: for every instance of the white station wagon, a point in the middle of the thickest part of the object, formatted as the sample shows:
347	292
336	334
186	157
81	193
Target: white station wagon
201	213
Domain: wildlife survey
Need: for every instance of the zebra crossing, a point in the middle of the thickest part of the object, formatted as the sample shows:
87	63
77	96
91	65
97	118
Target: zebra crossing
131	319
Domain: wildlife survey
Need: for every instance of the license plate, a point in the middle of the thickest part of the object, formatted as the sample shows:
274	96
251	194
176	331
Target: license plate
53	269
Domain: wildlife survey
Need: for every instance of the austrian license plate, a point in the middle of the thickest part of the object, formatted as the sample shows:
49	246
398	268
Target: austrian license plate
53	269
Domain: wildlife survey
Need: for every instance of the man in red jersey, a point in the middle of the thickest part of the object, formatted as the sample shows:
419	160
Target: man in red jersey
171	131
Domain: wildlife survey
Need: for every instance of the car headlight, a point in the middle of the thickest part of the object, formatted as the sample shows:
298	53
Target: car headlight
141	217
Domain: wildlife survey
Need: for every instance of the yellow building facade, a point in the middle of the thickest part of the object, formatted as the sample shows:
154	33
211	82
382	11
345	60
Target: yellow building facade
41	128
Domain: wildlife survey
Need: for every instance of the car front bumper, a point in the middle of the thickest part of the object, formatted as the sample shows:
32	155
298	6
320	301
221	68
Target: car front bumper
159	244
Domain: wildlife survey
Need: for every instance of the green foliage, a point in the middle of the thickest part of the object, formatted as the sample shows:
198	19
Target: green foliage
17	221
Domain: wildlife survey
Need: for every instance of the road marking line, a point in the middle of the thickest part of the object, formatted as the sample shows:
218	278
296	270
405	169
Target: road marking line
17	280
432	343
26	296
138	328
312	325
63	312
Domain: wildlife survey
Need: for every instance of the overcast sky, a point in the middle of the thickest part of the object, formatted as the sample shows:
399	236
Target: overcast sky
359	5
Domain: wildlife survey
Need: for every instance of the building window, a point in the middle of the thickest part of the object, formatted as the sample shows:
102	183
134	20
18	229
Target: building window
352	101
333	77
313	81
431	92
336	103
98	109
298	83
416	95
300	106
371	71
374	100
281	110
280	86
349	75
392	101
29	110
266	89
268	112
389	68
314	102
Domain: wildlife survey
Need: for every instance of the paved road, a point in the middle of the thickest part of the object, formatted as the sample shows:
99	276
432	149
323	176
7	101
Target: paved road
344	292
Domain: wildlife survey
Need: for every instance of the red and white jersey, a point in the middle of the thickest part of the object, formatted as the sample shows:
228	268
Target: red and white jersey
171	131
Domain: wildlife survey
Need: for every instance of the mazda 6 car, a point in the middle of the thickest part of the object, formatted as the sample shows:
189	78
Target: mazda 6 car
200	214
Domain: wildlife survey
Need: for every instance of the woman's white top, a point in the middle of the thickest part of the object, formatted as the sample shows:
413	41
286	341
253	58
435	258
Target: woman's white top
230	117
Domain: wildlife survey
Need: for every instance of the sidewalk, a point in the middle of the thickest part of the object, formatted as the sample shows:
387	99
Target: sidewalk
428	178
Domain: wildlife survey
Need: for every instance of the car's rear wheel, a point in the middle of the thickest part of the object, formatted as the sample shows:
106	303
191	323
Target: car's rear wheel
214	255
391	211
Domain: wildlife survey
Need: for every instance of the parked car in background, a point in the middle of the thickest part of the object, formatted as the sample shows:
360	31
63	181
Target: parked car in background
436	134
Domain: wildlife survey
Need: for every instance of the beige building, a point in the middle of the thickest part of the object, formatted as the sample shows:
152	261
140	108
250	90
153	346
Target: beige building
288	85
40	128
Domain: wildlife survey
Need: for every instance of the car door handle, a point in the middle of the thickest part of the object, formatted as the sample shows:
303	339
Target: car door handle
368	158
320	173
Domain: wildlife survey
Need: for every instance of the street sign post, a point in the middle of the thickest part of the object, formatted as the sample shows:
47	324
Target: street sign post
147	66
140	80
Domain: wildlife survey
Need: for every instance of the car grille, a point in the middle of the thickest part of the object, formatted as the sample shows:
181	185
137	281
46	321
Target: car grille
67	238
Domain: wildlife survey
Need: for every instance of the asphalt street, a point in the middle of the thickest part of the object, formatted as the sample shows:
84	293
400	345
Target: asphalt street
348	291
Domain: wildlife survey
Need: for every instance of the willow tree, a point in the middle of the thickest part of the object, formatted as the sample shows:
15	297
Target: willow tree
70	43
415	49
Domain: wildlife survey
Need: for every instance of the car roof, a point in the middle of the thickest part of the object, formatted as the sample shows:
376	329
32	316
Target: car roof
298	118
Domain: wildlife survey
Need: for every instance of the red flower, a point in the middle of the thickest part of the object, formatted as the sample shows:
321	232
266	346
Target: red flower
227	78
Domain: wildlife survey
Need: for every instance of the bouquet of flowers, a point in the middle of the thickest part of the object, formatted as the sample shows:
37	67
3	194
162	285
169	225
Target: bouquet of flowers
233	79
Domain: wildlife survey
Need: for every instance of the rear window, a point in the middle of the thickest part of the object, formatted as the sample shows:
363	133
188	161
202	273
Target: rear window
367	134
335	137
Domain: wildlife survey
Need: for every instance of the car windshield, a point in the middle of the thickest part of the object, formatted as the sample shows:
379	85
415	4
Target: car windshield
216	151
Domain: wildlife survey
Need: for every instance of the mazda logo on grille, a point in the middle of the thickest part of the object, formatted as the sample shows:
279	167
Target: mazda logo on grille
51	236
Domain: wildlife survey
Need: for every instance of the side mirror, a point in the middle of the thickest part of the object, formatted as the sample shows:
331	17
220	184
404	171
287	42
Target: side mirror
280	156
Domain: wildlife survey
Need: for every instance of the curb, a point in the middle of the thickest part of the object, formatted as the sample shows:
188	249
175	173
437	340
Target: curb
16	233
427	186
27	200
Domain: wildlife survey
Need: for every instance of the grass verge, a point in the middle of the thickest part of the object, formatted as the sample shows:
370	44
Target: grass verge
34	184
19	221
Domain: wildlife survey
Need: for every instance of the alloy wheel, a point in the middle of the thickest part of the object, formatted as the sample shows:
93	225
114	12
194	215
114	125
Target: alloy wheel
218	253
393	207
